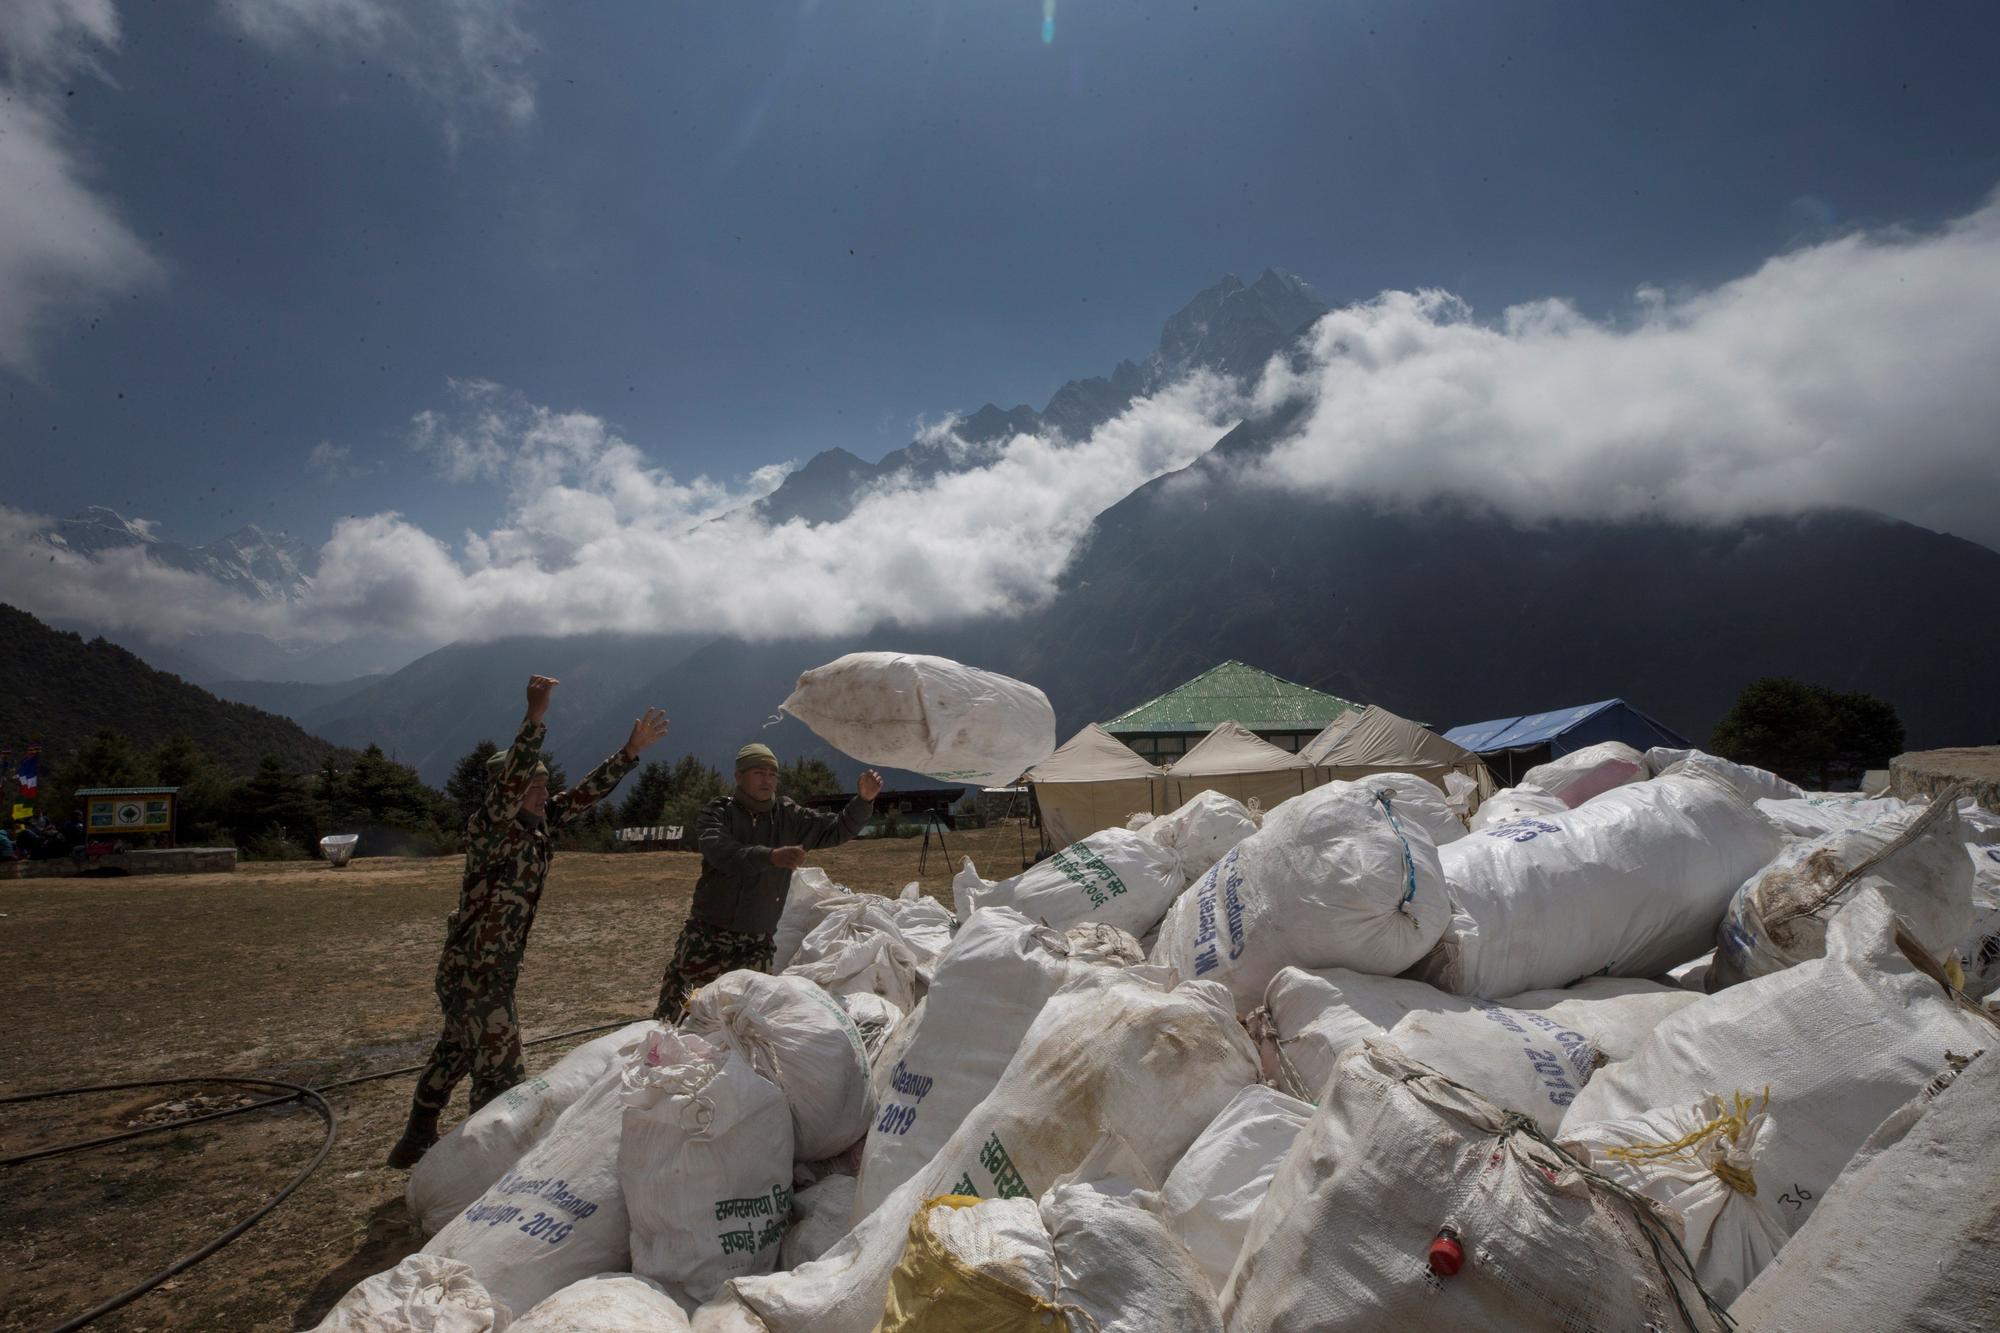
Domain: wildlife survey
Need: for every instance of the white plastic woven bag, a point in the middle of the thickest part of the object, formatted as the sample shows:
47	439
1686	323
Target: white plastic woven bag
1115	876
557	1216
1915	859
423	1294
929	715
1700	1163
1578	776
1201	831
1115	1053
704	1161
1213	1191
622	1301
1630	883
1512	803
1336	877
795	1034
1408	1202
1841	1041
819	1219
481	1147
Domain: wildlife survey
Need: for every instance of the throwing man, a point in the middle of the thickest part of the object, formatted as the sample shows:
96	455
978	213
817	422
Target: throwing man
751	841
508	843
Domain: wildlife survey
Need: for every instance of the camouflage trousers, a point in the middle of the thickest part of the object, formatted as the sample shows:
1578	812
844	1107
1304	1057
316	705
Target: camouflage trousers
703	953
481	1037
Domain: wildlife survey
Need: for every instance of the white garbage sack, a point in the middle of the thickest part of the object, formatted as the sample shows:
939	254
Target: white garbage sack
1409	1202
1981	825
880	964
1693	974
1201	831
876	1018
1336	877
623	1301
799	1037
1095	942
1916	860
704	1161
1115	876
1977	952
1700	1163
481	1147
423	1294
810	887
1756	784
1086	1255
1841	1041
926	923
1420	801
1905	1238
1213	1191
1817	813
820	1217
1575	777
1461	793
1632	883
948	1054
557	1216
1512	803
929	715
1115	1053
1531	1052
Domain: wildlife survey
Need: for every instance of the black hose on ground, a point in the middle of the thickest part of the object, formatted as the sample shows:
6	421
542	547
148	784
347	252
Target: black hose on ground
132	1293
292	1092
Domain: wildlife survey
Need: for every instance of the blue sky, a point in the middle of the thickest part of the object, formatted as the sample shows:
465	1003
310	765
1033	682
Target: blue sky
743	233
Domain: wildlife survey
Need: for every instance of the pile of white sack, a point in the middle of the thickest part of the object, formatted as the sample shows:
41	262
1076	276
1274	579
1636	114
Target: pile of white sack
1653	1040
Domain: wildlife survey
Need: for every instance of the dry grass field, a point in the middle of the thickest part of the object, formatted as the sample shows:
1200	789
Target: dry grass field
300	972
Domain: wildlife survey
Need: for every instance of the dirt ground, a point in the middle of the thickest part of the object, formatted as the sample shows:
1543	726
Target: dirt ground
300	972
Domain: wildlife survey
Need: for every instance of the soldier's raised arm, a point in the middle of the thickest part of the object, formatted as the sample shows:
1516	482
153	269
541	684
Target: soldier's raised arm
602	780
517	763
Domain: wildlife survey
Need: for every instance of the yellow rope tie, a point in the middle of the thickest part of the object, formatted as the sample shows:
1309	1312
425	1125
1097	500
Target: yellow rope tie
1731	1124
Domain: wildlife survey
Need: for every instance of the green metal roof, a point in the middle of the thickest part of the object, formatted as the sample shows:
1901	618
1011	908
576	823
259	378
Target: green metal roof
1232	692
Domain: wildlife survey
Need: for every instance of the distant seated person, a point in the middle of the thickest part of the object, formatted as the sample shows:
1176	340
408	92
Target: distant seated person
7	850
36	840
74	835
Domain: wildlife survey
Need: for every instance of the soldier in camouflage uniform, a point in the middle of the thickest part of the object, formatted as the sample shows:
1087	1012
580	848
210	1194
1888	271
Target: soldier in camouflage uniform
751	841
508	843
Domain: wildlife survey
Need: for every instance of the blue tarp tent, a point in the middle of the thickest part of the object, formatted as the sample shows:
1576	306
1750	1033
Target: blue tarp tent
1512	745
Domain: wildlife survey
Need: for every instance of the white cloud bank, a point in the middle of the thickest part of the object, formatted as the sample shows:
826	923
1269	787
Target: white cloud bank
1856	372
62	244
1860	371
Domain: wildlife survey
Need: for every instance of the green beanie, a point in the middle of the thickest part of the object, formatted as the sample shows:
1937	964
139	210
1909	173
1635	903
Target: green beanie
756	756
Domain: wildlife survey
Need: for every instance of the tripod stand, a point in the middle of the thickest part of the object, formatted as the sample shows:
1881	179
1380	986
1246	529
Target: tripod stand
932	825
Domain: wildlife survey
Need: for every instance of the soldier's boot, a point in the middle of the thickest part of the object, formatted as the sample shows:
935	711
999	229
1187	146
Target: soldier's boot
418	1137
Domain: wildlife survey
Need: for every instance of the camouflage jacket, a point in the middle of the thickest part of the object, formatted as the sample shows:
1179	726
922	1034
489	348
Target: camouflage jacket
739	889
507	854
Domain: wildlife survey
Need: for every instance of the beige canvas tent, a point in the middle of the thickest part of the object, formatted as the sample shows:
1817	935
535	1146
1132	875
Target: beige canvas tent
1375	740
1093	781
1237	763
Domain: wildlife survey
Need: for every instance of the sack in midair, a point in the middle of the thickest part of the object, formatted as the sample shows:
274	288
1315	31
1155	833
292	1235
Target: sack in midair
928	715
